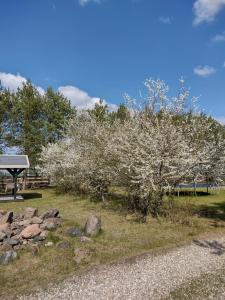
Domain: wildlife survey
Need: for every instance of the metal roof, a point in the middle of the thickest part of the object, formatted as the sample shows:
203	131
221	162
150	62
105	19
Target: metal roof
14	162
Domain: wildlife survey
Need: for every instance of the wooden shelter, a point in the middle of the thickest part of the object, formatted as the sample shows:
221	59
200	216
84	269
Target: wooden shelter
15	165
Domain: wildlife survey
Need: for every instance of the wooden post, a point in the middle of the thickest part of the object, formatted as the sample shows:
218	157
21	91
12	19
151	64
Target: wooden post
15	173
15	183
195	188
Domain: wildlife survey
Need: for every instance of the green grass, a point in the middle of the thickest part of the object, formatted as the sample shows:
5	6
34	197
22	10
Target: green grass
122	235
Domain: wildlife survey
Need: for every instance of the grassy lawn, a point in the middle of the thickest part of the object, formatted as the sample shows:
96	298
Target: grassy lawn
122	235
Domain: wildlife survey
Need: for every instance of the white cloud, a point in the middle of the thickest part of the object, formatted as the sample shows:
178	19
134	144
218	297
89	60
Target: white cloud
85	2
207	10
218	38
221	119
81	99
13	82
204	71
165	20
78	98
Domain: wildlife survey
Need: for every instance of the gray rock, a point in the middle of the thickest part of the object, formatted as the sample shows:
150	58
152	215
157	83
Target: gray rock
52	213
92	226
30	212
2	236
50	224
11	241
38	238
7	257
7	218
74	232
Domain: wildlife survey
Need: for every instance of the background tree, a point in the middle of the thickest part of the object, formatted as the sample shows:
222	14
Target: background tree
29	120
57	112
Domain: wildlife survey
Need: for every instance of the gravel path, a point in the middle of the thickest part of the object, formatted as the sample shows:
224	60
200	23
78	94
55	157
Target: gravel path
149	277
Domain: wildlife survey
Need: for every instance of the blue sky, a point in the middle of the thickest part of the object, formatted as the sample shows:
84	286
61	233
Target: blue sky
102	48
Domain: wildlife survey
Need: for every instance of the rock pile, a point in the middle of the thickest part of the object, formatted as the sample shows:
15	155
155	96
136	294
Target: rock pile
16	231
30	229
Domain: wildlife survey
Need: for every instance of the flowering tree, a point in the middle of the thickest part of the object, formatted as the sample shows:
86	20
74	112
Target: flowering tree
161	142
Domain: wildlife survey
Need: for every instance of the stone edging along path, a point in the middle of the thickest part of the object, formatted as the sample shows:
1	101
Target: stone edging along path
149	277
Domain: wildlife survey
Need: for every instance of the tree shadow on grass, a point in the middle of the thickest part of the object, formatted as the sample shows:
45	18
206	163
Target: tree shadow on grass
190	193
33	195
216	247
117	202
215	211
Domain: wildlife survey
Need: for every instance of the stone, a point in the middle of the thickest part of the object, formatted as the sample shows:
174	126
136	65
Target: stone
11	241
17	217
2	212
25	222
17	247
7	257
30	212
52	213
7	218
31	231
74	232
92	226
17	237
50	224
5	228
85	239
81	255
49	244
44	233
63	245
38	239
15	226
17	231
36	220
2	236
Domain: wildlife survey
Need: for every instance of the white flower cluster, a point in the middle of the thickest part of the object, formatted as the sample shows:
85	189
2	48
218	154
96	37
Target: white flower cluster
162	142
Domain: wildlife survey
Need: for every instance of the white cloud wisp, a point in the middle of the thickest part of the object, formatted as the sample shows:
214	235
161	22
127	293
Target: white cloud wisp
204	71
207	10
218	38
85	2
